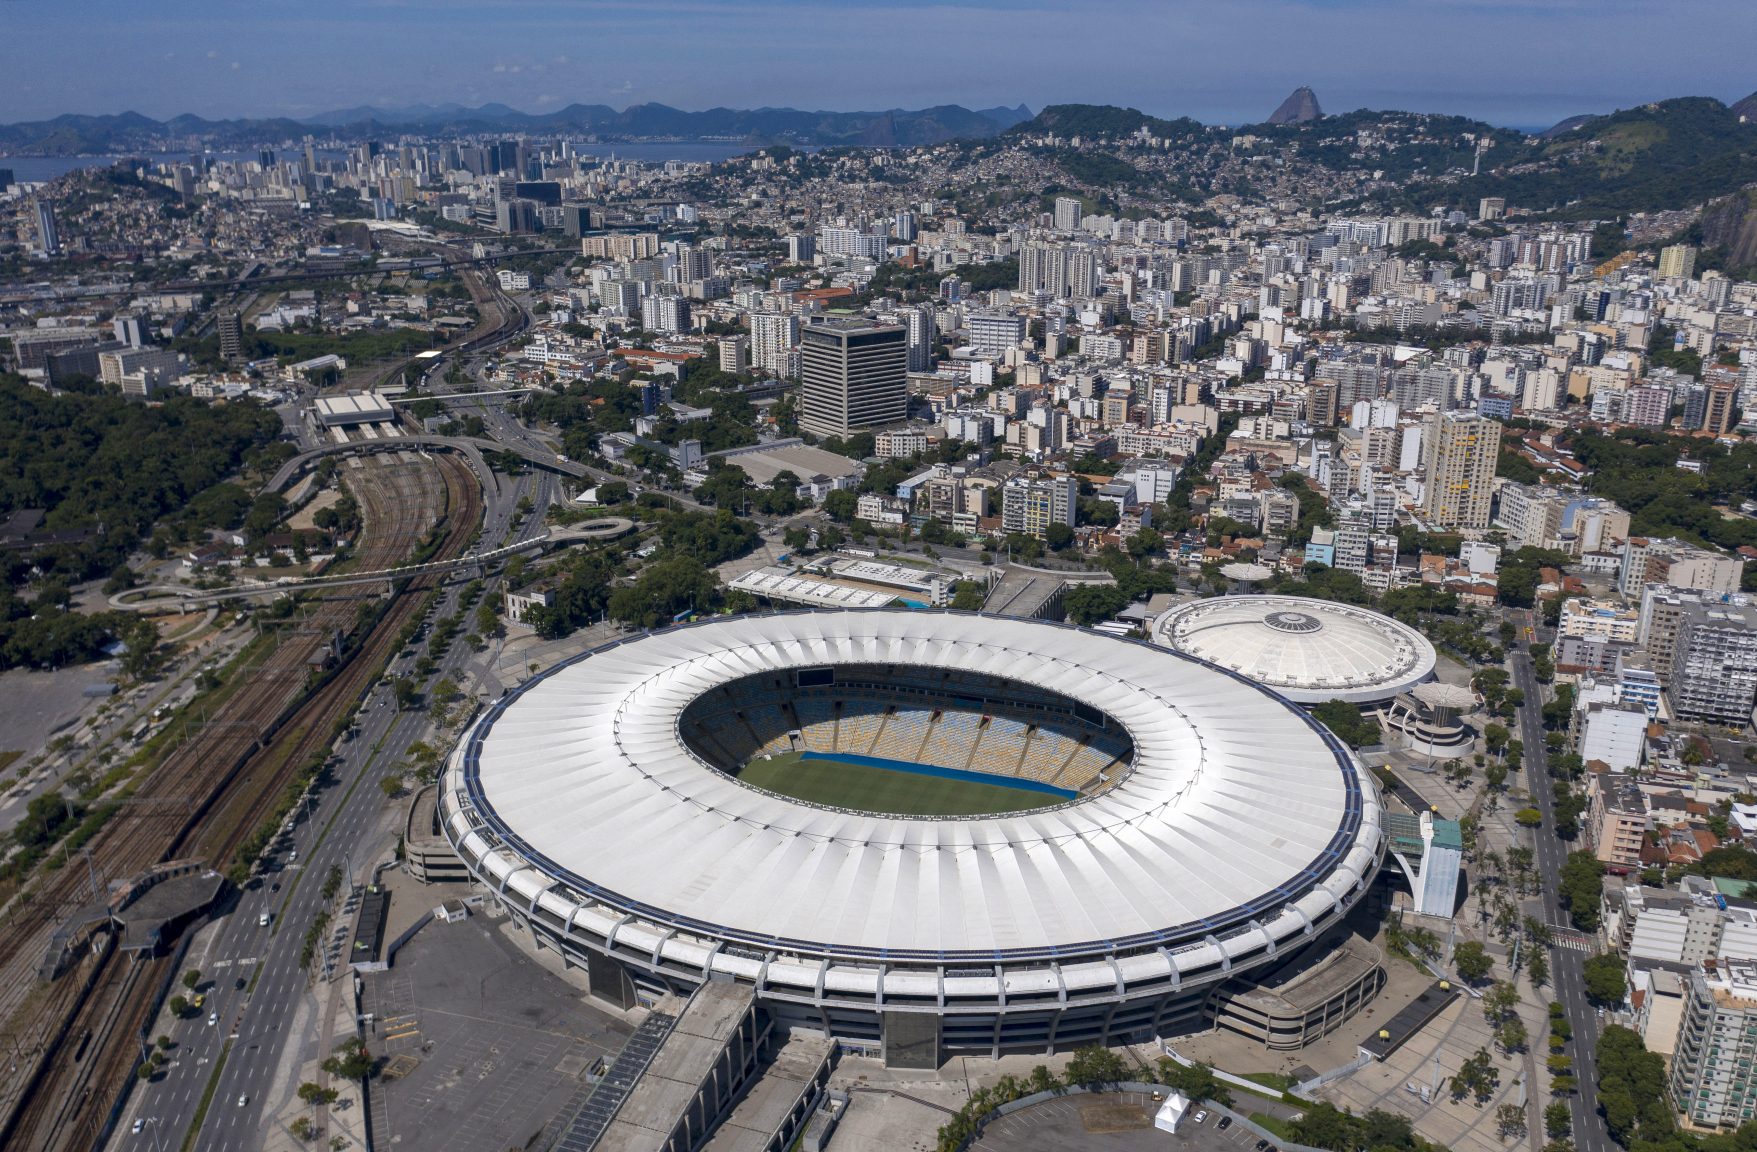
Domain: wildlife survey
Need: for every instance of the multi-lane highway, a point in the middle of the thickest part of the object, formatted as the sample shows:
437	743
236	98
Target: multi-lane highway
265	1022
1567	976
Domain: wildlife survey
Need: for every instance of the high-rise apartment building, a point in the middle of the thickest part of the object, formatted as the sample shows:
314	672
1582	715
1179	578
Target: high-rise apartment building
1714	1084
1062	270
921	327
1030	504
994	333
667	314
1677	261
854	376
734	353
774	338
1459	457
231	326
1067	213
1714	664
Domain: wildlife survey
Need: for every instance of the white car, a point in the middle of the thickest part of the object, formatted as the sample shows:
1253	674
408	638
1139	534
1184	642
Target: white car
1201	1116
262	920
212	1019
138	1125
243	1100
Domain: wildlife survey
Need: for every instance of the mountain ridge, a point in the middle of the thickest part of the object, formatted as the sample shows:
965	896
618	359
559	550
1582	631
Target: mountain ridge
83	134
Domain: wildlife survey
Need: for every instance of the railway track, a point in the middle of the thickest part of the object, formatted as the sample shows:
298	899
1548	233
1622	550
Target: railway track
75	1041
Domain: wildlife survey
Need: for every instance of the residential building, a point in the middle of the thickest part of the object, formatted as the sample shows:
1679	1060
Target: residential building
774	340
1713	1079
1616	819
1714	665
994	333
734	353
1067	213
1461	450
1677	262
1030	504
1600	618
854	376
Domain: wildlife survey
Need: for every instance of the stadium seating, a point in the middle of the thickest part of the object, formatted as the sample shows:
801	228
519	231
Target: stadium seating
903	733
952	738
923	717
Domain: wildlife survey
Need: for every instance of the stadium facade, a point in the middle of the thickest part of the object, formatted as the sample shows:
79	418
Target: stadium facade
1194	828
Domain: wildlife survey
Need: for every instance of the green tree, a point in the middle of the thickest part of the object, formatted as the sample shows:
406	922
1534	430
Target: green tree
1581	886
968	595
1558	1120
1605	979
1472	961
1094	1065
1090	603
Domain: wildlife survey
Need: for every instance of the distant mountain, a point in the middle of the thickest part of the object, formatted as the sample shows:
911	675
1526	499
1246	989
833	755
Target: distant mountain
1299	108
1746	109
1672	154
1006	117
72	135
1102	121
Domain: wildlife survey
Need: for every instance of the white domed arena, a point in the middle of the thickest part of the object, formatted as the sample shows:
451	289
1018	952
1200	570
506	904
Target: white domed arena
1309	651
927	832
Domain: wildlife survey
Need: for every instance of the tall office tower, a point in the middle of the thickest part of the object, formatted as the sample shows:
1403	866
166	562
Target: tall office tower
1677	262
801	249
6	179
922	327
734	353
1712	1080
231	326
1067	213
1460	453
906	226
48	239
310	155
853	376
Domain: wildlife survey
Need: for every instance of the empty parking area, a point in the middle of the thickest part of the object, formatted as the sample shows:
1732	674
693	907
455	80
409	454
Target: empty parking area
484	1046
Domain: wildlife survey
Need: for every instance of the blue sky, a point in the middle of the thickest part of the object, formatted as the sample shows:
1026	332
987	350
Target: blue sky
1519	62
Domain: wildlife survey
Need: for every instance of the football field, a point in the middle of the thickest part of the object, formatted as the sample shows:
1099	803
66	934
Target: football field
825	779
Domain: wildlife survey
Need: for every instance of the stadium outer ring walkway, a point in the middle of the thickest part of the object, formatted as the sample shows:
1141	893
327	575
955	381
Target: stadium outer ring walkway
1243	832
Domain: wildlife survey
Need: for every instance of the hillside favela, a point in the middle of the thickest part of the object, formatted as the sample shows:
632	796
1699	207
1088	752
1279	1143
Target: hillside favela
1167	585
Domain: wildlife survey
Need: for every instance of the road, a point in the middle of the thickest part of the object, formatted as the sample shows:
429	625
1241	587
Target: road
1567	974
266	1029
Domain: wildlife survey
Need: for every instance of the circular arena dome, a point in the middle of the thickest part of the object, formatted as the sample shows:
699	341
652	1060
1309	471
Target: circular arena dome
1308	650
913	828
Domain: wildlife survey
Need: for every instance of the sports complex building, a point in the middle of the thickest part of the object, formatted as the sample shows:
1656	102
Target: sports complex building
1310	651
922	832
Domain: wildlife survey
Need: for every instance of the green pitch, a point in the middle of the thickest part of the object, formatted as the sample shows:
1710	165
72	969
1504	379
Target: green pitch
869	789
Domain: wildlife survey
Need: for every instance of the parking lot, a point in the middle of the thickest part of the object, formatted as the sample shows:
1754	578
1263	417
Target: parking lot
1111	1122
484	1047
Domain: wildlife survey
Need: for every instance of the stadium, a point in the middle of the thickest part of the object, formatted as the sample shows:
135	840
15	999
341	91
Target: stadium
920	832
1309	651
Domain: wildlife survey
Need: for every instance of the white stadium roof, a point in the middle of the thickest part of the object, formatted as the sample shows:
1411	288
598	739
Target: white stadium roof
1240	815
1308	650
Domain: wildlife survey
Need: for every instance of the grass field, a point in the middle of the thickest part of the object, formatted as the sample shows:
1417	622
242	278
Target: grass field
870	789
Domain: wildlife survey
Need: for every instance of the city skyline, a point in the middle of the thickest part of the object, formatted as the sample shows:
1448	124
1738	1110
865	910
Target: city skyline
542	56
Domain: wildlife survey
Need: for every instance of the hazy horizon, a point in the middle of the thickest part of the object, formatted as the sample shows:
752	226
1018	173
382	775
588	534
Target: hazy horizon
1503	61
